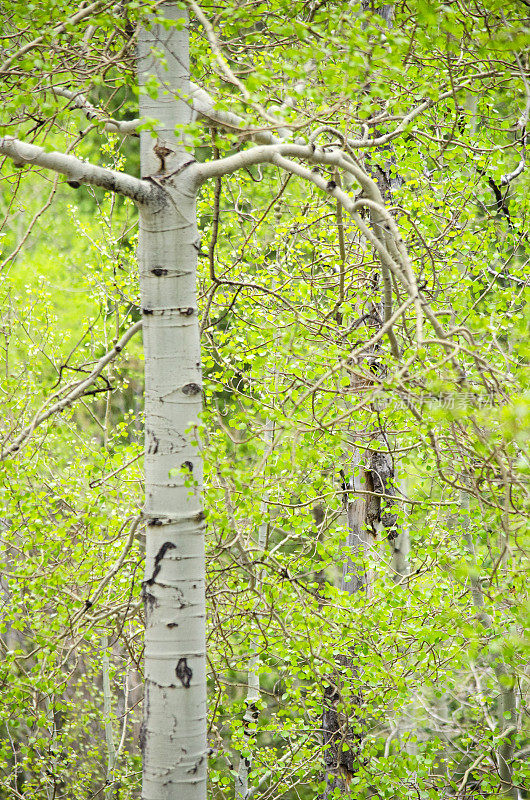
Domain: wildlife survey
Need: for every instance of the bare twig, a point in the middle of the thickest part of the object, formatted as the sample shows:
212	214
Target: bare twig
74	392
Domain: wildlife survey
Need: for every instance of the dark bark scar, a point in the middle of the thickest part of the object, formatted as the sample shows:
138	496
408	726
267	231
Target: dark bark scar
191	389
158	562
184	673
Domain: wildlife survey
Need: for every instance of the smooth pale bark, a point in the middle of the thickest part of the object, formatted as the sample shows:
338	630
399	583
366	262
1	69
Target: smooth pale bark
400	556
110	125
173	736
174	729
76	171
400	548
107	719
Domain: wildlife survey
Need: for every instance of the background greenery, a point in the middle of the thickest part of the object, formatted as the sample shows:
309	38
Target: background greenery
424	696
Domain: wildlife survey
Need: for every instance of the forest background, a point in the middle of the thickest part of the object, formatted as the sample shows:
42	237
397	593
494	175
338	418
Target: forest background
364	429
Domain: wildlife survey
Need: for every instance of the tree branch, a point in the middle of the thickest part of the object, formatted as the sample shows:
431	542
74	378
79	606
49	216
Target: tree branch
203	105
77	171
59	28
390	246
508	178
111	125
74	392
96	594
223	63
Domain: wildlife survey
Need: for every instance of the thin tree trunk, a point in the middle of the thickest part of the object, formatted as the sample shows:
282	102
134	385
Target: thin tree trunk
355	573
507	701
367	493
253	680
174	729
251	716
400	548
107	716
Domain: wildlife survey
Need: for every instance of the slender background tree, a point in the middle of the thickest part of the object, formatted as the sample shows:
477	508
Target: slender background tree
261	183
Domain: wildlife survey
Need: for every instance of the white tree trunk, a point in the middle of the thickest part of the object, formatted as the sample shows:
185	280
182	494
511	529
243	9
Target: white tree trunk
174	729
251	714
356	574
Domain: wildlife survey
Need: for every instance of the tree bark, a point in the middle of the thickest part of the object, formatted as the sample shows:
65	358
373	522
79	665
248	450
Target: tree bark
76	171
174	729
